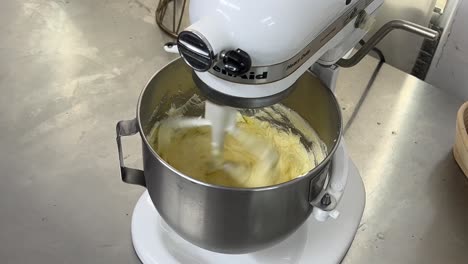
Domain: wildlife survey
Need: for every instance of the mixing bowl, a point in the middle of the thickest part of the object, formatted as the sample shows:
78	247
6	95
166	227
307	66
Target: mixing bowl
223	219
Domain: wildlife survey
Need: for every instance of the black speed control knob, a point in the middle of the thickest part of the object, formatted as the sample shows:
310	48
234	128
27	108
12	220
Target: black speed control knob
236	62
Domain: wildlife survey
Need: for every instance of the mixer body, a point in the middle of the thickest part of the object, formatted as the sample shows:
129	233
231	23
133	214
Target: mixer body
250	54
244	50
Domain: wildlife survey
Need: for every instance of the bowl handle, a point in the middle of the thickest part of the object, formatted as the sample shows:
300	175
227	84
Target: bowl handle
325	203
129	175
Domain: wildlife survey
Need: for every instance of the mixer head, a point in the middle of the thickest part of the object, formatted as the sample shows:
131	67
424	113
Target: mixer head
249	54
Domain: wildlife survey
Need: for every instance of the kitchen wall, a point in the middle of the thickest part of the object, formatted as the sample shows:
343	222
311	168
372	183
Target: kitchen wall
401	49
449	69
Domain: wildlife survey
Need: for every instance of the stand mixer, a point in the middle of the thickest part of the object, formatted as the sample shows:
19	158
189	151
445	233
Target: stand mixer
248	54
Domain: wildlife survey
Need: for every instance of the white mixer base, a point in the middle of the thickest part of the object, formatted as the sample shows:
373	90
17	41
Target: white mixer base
314	242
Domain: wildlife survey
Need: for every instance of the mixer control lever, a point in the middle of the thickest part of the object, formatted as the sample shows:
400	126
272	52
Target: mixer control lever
236	62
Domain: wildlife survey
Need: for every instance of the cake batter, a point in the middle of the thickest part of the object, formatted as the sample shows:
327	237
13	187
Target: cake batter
257	153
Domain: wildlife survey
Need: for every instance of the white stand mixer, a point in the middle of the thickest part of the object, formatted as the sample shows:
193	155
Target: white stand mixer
249	54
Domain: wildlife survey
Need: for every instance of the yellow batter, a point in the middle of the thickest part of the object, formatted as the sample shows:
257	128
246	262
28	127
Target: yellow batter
257	154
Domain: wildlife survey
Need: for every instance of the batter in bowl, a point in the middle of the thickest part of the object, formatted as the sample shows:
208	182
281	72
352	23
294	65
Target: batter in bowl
258	153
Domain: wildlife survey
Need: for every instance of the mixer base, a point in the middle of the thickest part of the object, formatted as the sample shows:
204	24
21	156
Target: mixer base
318	242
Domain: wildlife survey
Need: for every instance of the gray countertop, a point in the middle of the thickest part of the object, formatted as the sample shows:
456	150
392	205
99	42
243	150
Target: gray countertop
71	69
401	140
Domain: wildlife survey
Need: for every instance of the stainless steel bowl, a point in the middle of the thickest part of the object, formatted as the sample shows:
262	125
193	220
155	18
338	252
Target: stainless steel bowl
221	219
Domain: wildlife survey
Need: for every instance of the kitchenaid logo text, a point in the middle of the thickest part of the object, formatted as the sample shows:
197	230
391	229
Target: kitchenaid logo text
298	60
247	76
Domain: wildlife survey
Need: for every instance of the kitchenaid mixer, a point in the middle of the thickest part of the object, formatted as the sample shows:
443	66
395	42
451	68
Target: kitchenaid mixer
249	55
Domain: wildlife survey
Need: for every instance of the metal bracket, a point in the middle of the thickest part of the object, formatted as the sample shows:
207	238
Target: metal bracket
381	33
